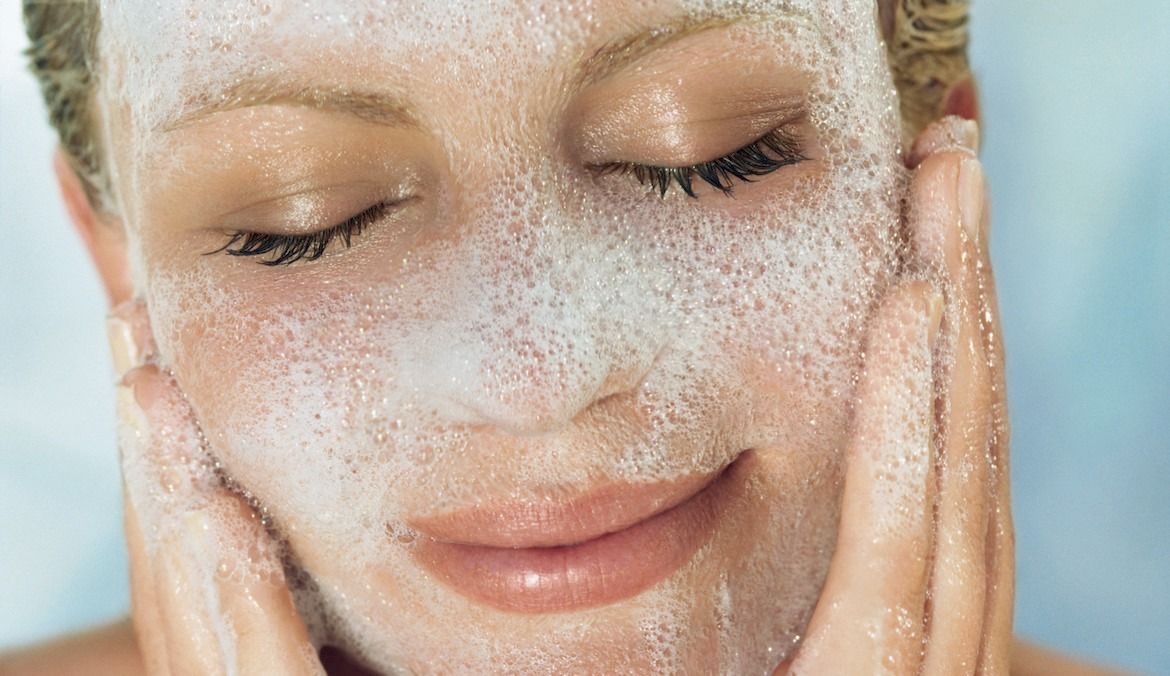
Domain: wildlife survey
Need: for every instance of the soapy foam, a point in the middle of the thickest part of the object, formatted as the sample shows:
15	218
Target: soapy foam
349	398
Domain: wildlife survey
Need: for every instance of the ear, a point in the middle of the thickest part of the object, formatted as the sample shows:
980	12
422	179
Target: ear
104	236
962	99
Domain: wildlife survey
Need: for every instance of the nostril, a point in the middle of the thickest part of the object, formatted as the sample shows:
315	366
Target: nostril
531	406
621	381
624	380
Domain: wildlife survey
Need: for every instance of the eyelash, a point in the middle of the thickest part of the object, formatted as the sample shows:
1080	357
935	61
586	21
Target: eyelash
288	249
772	151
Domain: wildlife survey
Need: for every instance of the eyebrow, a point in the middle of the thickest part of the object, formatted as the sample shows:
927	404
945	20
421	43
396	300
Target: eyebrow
371	106
390	110
620	53
617	54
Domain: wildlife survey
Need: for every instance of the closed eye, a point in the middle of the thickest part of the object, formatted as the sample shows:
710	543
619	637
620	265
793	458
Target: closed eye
774	150
283	249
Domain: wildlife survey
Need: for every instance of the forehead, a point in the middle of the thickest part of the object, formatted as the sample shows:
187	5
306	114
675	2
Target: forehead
165	56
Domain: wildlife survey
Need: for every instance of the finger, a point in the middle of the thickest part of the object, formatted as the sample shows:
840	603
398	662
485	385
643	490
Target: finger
945	215
995	653
213	593
869	616
164	477
223	587
998	638
250	586
143	604
131	341
196	642
125	332
949	133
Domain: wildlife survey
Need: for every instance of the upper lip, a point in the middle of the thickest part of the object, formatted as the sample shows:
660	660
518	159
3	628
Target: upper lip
551	522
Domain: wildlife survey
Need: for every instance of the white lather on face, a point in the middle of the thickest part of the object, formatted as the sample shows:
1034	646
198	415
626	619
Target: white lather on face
472	369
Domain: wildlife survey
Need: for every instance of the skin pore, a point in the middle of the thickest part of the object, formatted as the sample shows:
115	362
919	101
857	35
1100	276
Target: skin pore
514	305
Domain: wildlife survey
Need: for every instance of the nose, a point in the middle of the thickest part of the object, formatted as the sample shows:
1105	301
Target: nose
556	311
541	381
531	344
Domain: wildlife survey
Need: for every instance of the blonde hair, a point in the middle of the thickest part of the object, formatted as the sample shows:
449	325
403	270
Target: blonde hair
62	54
926	42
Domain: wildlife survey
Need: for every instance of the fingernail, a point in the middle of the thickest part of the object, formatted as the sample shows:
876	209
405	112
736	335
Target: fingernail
146	388
971	199
934	310
130	412
123	347
966	134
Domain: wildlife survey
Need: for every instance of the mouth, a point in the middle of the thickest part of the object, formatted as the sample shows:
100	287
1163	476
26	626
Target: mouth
592	550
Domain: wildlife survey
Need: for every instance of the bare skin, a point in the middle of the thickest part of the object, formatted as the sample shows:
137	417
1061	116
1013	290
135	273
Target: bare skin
111	650
932	594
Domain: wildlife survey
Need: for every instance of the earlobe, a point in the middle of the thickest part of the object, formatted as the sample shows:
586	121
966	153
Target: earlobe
103	236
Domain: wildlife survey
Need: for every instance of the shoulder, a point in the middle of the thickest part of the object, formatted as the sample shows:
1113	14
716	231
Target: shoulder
105	651
1029	659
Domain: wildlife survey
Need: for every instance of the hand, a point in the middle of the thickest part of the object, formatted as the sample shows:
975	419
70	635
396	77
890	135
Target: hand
208	589
922	579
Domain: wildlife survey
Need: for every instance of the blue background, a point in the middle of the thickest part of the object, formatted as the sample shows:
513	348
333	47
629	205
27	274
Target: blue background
1077	147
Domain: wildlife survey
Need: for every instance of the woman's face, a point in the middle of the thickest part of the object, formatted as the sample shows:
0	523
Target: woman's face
521	413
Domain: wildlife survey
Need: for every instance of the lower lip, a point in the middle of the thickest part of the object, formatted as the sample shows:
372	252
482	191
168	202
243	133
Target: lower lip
597	572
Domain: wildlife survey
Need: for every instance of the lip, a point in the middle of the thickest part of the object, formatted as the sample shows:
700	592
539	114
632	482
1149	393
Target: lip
596	549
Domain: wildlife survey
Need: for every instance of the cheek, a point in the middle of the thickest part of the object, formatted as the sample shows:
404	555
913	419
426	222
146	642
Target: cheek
799	350
285	399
